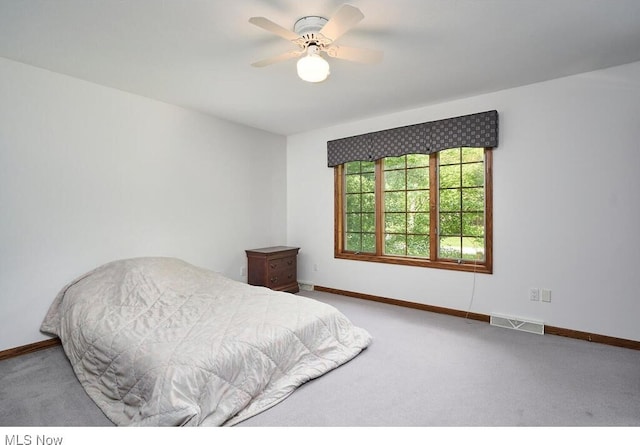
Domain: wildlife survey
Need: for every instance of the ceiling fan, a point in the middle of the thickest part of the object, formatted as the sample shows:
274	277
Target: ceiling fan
314	35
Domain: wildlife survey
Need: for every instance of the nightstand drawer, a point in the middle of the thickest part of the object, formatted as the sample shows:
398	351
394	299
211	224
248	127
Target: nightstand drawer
282	277
280	264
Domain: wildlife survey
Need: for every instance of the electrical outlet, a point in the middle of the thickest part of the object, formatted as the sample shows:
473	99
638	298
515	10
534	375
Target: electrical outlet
534	294
315	267
546	295
243	271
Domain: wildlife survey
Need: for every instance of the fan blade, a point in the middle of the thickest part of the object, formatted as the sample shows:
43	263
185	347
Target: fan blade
342	21
354	54
275	59
274	28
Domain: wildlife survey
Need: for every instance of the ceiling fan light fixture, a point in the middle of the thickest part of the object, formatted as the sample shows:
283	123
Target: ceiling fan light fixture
312	67
314	34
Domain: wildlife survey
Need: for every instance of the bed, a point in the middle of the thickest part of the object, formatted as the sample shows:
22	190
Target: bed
160	342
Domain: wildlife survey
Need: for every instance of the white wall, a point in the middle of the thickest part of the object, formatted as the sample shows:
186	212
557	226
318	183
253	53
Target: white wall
90	174
566	207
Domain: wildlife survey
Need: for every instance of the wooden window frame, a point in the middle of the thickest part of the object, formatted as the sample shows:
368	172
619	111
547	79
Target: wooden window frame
485	266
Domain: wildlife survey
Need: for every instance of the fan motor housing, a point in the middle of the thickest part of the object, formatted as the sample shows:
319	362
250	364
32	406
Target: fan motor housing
308	27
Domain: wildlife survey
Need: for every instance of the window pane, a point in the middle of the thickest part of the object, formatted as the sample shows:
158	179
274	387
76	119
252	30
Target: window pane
418	246
418	201
418	223
395	222
473	224
368	182
395	244
357	167
417	160
418	178
449	176
395	202
450	224
368	166
450	247
359	242
352	167
368	202
353	241
395	163
450	156
368	243
354	203
404	208
472	175
369	222
473	249
473	199
352	183
472	154
354	222
450	200
395	180
461	203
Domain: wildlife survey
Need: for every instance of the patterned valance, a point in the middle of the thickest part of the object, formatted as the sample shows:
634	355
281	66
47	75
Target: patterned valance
474	130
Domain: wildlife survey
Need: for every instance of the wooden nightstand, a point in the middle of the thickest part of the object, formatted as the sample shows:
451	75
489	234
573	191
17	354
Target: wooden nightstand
274	267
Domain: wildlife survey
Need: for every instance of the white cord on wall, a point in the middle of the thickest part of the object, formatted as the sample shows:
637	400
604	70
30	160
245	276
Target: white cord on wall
473	289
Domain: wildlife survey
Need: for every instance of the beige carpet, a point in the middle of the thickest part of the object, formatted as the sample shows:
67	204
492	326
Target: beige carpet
422	369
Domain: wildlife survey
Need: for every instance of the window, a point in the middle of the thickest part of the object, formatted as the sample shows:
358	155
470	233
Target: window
431	210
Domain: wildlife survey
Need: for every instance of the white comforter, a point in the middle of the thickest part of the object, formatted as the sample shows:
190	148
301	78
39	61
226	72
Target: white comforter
157	341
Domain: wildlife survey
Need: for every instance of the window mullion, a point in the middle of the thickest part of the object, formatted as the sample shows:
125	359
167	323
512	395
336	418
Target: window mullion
339	209
379	197
461	212
406	209
433	207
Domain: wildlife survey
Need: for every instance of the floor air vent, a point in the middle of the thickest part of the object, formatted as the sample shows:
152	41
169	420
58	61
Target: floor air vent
519	324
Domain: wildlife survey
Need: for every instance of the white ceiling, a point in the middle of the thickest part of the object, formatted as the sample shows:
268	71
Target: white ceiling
197	53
